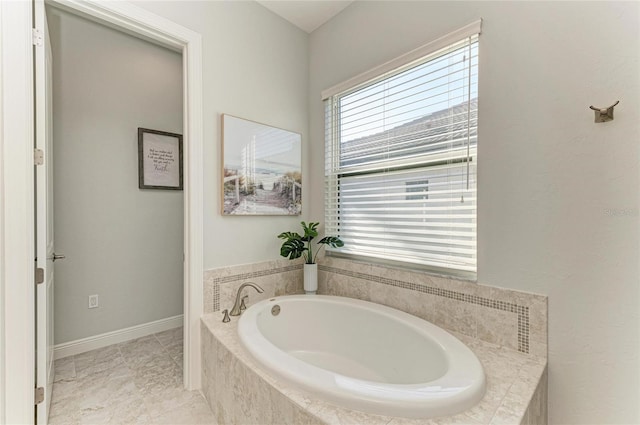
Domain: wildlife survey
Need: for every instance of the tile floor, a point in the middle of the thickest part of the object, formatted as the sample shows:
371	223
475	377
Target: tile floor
135	382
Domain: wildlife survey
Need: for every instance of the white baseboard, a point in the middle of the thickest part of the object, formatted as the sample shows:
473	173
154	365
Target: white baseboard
83	345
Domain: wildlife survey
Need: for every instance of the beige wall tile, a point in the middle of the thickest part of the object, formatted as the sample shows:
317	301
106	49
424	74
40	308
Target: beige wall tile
456	315
275	277
455	304
497	326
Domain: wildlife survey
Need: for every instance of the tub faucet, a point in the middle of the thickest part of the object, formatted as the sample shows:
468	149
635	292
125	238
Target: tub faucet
236	310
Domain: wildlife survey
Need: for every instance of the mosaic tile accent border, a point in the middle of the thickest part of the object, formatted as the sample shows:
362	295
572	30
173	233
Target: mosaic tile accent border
521	311
217	281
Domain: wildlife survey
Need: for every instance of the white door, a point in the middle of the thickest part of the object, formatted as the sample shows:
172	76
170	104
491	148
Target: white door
44	211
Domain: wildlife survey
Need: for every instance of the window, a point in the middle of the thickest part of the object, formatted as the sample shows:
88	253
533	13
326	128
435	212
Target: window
401	158
417	189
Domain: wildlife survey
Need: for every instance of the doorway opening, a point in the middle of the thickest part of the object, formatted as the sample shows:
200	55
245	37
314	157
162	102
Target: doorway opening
132	20
122	238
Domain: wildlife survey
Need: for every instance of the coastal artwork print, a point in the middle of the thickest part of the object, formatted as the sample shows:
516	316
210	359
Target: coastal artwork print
262	172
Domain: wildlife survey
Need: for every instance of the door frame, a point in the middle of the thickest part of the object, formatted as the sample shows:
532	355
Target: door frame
17	245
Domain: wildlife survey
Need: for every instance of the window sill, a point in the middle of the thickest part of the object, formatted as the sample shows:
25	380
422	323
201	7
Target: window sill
427	270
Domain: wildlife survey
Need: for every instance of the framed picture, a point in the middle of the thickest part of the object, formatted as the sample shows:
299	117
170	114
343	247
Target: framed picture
262	172
159	160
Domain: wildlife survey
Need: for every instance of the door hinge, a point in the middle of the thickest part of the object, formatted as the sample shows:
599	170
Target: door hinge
38	157
39	395
37	37
39	275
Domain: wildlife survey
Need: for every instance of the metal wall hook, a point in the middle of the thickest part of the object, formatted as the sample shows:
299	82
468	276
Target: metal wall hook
604	114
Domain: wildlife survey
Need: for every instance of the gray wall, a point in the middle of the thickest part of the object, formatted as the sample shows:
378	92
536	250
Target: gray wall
122	243
558	198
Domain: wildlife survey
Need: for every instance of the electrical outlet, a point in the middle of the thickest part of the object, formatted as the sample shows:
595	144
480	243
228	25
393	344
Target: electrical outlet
93	301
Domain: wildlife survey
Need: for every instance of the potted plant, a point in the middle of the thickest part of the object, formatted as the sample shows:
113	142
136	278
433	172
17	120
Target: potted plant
296	246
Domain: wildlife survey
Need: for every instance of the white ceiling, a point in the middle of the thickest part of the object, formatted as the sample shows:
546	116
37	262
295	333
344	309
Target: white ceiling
306	14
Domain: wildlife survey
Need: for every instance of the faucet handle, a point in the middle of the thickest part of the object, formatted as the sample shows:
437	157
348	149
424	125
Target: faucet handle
226	318
243	306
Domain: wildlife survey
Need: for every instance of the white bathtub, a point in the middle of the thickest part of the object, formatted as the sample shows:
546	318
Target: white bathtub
363	356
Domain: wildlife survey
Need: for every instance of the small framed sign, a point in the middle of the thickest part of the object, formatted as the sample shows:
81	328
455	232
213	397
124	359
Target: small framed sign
159	160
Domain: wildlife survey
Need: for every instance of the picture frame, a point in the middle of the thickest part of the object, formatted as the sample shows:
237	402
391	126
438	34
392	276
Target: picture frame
159	160
261	169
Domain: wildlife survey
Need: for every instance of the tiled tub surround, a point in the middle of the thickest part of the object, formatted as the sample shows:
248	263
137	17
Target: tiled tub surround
506	329
239	391
279	277
512	319
537	411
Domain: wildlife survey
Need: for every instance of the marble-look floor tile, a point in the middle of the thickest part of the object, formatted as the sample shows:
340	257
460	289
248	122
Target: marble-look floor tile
107	393
65	369
168	399
153	380
98	360
128	411
109	386
194	412
65	397
145	352
64	418
141	346
179	359
64	412
175	349
135	382
94	401
151	360
170	336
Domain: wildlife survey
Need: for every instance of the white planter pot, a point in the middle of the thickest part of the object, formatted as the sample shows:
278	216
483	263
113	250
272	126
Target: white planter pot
310	278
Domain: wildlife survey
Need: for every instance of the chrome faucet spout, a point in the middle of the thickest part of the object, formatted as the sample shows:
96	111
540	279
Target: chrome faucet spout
237	310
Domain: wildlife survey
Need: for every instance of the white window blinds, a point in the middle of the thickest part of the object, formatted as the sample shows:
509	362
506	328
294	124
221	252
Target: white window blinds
401	158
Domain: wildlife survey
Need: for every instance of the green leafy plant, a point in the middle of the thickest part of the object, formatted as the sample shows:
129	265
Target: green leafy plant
296	245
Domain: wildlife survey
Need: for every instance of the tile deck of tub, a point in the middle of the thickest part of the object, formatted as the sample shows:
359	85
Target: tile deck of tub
513	382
